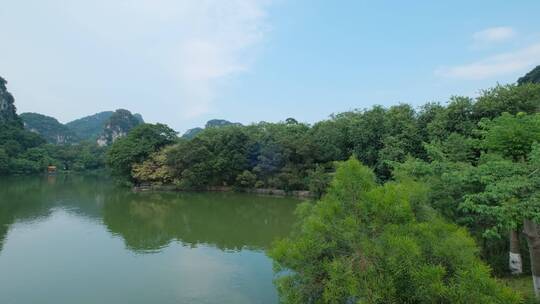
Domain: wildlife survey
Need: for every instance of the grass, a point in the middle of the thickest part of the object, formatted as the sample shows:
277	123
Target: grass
523	285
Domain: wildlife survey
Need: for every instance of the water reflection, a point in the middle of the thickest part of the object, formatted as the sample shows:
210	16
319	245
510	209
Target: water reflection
228	221
33	198
147	222
78	239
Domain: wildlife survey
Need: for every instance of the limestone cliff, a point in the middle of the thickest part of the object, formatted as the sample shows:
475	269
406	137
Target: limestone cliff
8	112
117	126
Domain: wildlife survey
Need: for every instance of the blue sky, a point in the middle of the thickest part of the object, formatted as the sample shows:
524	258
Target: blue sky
184	62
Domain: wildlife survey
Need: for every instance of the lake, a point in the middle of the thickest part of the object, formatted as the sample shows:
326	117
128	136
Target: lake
80	239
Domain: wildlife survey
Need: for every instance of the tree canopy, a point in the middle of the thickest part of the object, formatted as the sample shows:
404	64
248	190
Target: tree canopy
367	243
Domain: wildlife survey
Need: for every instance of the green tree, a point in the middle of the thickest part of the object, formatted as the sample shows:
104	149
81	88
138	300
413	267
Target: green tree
365	243
155	169
318	181
508	196
142	141
246	180
508	98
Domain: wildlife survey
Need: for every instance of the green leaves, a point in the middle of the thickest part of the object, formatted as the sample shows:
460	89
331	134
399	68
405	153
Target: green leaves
511	135
366	243
137	146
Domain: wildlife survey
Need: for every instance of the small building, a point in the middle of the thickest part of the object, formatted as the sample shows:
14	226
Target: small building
51	169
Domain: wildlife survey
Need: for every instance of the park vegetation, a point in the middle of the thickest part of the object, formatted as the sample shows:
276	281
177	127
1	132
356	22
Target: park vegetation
422	173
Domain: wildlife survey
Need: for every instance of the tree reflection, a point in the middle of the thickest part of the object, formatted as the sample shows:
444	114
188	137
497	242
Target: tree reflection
149	222
31	198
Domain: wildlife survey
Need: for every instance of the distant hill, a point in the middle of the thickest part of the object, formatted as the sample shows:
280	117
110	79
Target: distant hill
89	127
14	139
531	77
139	117
49	128
191	133
220	123
214	123
107	126
118	125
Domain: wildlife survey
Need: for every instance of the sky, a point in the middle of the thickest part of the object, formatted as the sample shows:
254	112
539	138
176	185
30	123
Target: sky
183	62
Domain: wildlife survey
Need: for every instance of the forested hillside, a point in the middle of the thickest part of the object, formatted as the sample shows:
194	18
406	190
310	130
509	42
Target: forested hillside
49	128
25	152
531	77
89	127
213	123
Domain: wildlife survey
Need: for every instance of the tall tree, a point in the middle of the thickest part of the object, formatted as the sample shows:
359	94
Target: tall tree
365	243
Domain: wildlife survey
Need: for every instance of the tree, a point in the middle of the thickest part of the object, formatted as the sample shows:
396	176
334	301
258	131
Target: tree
365	243
318	181
508	98
508	195
189	165
154	169
142	141
246	180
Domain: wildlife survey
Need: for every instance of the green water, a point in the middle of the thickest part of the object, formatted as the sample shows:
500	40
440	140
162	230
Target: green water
74	239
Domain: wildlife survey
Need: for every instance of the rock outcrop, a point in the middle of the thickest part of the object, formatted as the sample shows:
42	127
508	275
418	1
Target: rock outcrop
117	126
8	112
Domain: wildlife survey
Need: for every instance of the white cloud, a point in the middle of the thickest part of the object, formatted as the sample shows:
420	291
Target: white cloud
494	35
207	40
497	65
144	55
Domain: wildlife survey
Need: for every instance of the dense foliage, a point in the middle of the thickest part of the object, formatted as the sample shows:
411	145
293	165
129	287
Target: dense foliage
138	145
286	155
366	243
490	186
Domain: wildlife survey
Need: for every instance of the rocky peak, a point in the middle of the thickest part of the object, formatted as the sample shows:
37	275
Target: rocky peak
8	112
117	126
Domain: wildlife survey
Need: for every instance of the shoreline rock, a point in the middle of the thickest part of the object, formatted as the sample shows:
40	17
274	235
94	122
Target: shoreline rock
263	191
